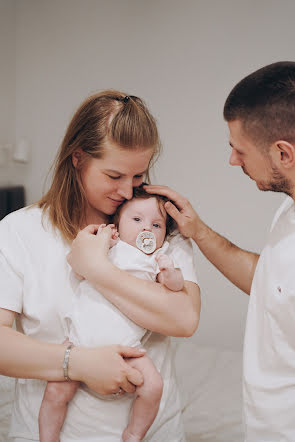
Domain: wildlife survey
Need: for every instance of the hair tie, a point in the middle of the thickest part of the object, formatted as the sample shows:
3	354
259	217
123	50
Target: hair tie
125	99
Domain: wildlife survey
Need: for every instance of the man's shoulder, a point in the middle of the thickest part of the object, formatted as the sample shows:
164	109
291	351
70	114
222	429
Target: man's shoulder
283	208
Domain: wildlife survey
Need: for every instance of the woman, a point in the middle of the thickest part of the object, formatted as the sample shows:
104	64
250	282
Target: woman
107	150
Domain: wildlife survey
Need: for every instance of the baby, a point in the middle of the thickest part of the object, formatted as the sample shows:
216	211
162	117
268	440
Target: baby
142	224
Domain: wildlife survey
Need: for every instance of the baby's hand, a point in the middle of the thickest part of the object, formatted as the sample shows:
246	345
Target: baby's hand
115	235
164	262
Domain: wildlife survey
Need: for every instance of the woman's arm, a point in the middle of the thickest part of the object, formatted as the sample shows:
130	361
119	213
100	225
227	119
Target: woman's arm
103	369
147	303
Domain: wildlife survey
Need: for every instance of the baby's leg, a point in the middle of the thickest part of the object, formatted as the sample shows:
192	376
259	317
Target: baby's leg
147	402
54	409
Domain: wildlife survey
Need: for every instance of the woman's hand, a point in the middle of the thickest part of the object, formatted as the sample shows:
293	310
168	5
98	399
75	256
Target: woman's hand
90	248
104	370
181	211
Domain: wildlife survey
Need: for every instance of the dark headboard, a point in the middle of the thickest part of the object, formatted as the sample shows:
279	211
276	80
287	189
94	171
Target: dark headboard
11	198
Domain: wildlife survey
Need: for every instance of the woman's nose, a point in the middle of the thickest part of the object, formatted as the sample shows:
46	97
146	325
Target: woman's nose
126	190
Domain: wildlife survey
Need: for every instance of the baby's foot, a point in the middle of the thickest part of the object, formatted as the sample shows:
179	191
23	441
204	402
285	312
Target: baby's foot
129	437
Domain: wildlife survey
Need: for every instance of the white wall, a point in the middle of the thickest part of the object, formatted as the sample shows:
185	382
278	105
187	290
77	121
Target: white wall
183	58
7	83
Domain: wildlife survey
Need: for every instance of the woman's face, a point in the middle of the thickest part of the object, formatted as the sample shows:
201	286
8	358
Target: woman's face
108	181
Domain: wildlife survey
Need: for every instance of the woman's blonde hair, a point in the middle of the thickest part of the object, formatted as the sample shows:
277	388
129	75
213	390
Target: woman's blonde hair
108	116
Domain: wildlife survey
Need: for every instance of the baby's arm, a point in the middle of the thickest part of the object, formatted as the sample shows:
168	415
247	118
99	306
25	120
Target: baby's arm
169	276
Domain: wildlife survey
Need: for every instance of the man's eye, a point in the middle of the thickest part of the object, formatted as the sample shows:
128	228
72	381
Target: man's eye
138	176
114	177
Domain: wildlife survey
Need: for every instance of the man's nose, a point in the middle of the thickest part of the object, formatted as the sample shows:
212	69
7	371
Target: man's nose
235	159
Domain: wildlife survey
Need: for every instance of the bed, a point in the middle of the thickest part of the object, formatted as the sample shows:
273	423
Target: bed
210	382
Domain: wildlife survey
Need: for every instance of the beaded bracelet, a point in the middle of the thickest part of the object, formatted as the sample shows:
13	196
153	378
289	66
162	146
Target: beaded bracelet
65	364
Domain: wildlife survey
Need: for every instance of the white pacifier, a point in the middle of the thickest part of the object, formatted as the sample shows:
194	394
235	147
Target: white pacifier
146	242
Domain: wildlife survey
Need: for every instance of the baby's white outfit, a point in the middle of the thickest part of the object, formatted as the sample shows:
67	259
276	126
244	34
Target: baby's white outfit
95	321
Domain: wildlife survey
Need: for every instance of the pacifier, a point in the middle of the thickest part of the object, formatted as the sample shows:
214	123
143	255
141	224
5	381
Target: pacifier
146	242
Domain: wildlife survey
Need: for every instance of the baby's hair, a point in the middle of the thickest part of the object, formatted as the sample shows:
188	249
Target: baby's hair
140	193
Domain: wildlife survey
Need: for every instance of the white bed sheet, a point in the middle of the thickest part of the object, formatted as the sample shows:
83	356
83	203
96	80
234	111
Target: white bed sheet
210	381
210	384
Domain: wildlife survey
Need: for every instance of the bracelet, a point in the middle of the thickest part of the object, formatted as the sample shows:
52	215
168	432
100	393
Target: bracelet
65	364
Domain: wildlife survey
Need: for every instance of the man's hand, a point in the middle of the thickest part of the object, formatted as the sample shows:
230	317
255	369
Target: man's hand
181	211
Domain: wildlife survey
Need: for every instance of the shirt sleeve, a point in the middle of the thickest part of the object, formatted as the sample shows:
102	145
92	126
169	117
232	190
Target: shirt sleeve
182	253
11	275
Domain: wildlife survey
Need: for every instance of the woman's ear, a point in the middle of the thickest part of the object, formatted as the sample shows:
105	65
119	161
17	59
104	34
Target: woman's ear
285	154
77	156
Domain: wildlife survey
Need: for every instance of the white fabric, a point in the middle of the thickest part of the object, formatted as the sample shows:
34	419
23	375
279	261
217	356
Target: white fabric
210	382
269	351
35	282
93	320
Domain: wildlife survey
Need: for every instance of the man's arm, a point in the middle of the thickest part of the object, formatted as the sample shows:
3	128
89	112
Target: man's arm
236	264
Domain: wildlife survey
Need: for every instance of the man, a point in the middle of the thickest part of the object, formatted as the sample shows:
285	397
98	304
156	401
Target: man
260	112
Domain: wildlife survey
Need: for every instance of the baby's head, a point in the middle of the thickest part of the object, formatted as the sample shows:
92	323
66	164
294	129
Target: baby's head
144	212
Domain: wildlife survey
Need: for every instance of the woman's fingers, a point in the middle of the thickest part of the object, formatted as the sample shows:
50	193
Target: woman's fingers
91	228
128	387
134	376
130	352
132	379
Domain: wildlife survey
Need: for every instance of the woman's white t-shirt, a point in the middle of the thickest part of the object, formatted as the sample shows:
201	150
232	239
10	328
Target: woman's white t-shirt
35	282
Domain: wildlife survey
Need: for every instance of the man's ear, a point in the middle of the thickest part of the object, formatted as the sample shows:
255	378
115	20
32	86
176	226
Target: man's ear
284	154
77	157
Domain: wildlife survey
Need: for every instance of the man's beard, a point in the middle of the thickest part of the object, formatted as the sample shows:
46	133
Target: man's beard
277	183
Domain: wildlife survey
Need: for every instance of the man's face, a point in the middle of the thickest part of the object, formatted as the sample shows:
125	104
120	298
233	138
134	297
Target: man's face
257	164
139	215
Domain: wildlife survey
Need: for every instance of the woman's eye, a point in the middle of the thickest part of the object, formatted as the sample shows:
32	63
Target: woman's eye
136	219
114	177
157	225
137	180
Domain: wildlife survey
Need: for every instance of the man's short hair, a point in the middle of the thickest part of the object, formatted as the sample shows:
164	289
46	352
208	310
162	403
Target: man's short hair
264	102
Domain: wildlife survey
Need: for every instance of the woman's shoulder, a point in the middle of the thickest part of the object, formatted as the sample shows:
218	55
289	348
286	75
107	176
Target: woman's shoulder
26	223
22	217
